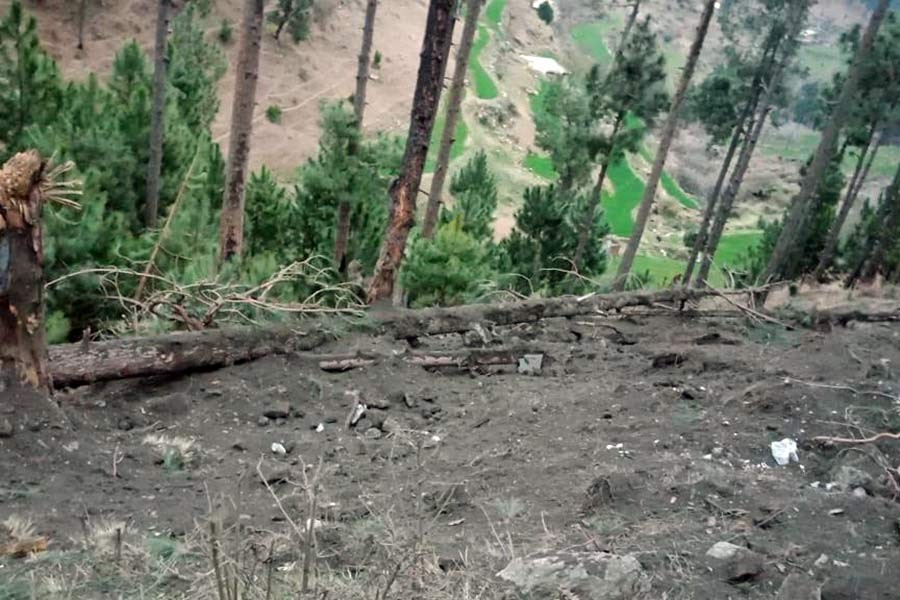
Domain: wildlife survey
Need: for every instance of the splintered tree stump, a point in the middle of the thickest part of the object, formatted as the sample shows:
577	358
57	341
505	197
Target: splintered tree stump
23	348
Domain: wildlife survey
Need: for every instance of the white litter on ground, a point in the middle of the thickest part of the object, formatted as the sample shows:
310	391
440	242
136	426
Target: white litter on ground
544	65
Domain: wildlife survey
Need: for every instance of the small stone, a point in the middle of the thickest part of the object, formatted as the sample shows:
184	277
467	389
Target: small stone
6	428
859	493
278	410
278	448
239	446
391	425
822	561
331	420
125	424
431	442
373	433
262	421
848	477
797	586
733	563
409	401
379	402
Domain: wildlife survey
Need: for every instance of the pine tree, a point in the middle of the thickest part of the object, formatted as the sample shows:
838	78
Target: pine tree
405	189
634	88
159	105
293	14
668	134
232	229
31	92
799	210
474	189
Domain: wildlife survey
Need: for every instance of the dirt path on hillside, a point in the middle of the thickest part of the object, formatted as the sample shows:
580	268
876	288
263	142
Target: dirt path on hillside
644	434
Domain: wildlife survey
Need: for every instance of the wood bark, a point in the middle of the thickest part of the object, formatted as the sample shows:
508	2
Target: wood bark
668	134
863	165
741	131
405	189
345	208
798	212
82	17
364	62
454	106
23	348
786	45
172	354
231	236
590	211
157	115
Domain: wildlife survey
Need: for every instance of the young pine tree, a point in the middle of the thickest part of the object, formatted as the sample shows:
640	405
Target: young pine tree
296	15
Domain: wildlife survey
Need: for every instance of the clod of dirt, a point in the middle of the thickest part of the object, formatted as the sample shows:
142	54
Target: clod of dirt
596	575
670	359
715	338
278	410
848	477
797	586
733	563
605	490
263	421
6	428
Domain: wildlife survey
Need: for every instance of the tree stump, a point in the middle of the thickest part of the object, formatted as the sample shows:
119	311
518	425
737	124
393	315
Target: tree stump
23	348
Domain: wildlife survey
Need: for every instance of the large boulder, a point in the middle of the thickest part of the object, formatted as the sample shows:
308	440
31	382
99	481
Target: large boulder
733	563
594	575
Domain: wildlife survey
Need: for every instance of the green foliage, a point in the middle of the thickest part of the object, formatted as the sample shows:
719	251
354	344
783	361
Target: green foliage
273	113
810	106
226	32
376	60
474	189
296	15
294	225
446	270
538	253
545	12
30	83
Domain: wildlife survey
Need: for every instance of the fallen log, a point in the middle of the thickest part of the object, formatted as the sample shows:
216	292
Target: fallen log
171	354
404	324
475	357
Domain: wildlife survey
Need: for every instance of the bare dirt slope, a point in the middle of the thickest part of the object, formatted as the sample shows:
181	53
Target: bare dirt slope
645	435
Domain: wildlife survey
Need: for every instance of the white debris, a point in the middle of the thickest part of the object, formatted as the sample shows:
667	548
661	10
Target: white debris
785	451
544	65
278	449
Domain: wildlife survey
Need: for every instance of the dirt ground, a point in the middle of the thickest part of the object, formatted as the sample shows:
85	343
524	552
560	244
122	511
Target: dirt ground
644	434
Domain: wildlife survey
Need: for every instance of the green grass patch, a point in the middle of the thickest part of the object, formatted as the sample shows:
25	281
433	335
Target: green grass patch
494	12
619	206
591	39
541	166
823	61
733	247
485	88
459	140
661	269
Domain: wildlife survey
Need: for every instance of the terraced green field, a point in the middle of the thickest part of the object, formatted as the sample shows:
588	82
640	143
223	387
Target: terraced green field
485	88
494	13
459	140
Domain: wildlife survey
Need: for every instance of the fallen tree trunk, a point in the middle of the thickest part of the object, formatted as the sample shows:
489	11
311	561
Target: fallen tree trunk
172	354
473	357
79	364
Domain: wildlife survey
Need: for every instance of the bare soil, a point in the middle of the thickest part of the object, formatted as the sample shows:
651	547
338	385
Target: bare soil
645	433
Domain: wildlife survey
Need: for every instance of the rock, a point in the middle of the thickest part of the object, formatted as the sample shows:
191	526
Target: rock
822	561
848	477
239	446
379	402
278	410
125	424
530	364
6	428
409	401
373	433
391	425
595	575
797	586
734	564
262	421
330	420
859	492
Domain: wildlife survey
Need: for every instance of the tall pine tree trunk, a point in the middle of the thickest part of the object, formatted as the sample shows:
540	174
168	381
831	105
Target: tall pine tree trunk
23	348
590	211
668	134
364	61
741	132
157	115
863	164
231	235
454	106
82	17
726	204
786	44
626	33
797	215
342	235
403	192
